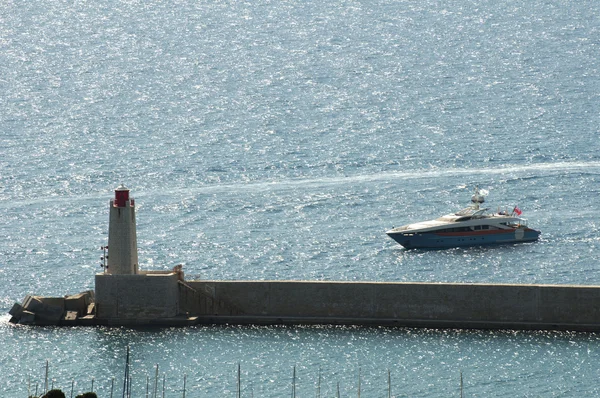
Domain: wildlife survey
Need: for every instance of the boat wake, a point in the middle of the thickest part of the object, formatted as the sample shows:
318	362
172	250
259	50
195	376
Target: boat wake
512	171
522	171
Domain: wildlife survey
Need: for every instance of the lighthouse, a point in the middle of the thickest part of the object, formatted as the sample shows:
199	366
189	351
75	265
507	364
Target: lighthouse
126	295
122	240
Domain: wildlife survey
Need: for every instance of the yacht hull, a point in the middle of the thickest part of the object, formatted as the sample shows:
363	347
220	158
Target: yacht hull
432	240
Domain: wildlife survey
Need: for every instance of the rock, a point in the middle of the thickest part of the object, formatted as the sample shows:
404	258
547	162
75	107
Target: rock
76	303
49	316
27	318
16	310
70	318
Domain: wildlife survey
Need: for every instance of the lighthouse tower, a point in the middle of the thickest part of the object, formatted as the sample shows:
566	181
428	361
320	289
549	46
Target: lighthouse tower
124	294
122	240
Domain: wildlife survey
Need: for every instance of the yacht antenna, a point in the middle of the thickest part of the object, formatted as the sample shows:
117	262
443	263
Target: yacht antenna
477	198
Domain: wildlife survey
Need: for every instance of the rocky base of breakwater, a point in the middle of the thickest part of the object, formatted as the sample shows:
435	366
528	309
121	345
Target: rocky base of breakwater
77	309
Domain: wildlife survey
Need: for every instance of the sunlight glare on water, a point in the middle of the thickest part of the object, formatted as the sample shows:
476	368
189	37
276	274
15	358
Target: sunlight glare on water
279	140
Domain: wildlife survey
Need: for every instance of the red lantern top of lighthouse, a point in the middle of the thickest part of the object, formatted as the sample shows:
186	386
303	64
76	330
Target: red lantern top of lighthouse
121	196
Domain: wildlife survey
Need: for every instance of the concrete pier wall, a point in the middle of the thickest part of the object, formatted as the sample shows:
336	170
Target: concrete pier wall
125	299
436	305
166	299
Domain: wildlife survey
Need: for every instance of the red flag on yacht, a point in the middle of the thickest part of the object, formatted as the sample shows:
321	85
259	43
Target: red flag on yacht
517	211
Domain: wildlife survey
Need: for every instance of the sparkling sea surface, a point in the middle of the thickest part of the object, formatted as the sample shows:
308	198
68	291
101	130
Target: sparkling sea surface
280	140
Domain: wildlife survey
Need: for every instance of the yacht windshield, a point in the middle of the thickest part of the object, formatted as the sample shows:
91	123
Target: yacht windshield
471	212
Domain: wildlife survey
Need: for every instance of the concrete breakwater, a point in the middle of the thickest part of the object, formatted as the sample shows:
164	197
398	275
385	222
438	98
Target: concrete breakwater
73	310
431	305
126	295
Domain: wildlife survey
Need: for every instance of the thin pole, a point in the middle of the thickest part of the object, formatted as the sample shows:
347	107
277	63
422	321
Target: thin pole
294	383
319	384
389	384
461	385
156	383
164	379
239	381
112	386
46	379
147	386
358	382
73	387
92	390
338	389
126	378
184	377
129	386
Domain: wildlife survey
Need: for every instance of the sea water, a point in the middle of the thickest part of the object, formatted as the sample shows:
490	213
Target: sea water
280	140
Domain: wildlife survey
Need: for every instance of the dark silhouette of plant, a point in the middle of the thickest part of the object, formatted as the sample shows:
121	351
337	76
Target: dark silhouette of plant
54	394
87	395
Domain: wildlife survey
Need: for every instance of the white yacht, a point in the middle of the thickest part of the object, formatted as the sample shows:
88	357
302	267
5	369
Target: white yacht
471	226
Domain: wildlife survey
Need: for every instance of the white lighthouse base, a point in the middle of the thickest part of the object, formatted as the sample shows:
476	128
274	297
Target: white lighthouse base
132	299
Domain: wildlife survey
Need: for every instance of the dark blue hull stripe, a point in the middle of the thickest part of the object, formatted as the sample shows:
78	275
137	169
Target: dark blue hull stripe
432	241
